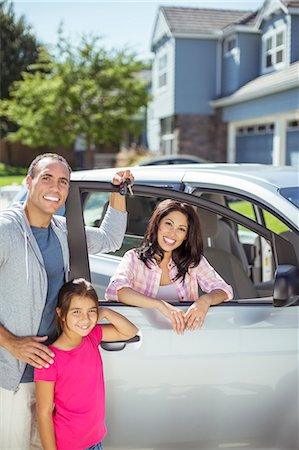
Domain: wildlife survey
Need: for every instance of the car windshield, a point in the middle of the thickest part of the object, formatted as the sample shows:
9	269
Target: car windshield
291	194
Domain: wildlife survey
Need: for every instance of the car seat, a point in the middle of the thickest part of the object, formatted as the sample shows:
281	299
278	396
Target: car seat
222	259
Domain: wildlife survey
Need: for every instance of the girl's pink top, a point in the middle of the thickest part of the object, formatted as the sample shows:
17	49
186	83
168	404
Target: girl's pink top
133	273
79	396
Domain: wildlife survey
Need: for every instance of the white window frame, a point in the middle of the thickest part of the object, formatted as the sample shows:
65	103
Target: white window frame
162	64
274	49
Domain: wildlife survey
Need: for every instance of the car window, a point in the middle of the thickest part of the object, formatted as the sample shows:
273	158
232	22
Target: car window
95	207
242	257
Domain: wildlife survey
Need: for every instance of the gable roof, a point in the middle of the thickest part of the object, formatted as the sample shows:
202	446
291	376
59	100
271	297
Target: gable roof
181	20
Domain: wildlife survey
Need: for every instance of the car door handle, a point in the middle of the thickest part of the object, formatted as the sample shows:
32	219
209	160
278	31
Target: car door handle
118	345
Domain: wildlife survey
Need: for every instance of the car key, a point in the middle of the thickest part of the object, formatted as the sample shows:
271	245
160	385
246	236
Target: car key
125	186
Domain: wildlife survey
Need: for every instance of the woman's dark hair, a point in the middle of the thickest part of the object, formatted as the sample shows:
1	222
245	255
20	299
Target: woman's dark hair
78	287
188	254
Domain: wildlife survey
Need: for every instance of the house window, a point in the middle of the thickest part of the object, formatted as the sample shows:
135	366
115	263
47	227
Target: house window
162	70
262	128
230	44
274	49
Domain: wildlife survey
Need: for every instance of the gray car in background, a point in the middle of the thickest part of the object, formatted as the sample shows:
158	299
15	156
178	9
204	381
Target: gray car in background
234	383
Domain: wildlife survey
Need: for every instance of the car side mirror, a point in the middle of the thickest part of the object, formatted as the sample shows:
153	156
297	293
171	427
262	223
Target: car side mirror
286	286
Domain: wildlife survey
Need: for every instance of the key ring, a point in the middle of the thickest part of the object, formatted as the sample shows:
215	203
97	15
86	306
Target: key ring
125	186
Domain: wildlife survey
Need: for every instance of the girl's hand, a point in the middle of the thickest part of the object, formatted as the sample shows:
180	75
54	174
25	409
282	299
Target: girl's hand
195	315
174	314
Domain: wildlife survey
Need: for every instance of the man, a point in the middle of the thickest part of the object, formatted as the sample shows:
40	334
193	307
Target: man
34	263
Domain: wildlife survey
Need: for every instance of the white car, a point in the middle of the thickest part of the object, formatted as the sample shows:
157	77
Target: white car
234	383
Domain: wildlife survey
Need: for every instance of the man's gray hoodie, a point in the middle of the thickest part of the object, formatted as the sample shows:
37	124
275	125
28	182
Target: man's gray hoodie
23	278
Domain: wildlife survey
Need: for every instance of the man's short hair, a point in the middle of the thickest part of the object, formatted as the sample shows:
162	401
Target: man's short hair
54	156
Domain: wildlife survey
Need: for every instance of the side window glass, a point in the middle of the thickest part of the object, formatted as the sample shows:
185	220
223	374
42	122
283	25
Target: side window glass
242	207
95	207
274	224
103	266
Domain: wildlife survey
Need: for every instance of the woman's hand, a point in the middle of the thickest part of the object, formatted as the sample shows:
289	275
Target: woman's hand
174	314
195	315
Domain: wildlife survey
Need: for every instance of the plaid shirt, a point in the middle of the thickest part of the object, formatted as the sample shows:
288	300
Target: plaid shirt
133	273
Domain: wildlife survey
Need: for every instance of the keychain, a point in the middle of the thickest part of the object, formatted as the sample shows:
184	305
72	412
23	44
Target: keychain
125	186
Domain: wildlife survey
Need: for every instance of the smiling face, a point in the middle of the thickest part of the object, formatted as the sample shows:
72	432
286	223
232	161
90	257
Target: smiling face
47	191
81	317
172	231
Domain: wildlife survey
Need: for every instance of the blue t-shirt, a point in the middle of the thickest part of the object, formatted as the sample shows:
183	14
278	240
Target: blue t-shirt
50	248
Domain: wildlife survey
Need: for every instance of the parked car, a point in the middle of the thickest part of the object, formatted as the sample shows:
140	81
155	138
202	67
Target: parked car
8	193
234	383
172	159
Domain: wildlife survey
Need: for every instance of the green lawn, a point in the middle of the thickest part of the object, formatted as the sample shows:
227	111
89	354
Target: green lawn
9	175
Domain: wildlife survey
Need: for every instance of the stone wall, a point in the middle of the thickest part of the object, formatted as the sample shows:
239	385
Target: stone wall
202	136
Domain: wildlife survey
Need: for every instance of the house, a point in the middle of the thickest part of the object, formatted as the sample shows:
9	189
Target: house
225	84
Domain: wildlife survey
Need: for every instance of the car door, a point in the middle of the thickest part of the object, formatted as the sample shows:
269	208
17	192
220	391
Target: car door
232	384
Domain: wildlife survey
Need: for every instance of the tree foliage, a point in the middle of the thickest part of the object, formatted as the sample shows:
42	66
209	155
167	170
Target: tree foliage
84	90
18	49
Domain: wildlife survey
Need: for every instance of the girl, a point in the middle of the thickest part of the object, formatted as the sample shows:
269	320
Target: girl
74	383
169	265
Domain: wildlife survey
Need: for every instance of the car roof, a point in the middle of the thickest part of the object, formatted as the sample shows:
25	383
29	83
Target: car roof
255	182
259	174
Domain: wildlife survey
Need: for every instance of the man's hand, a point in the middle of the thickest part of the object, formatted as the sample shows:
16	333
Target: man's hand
30	350
118	201
121	176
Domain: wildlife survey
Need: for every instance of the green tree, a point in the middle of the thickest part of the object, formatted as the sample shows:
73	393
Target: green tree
83	91
18	49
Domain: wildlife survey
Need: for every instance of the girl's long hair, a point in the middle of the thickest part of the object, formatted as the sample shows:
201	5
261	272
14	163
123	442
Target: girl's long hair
188	254
78	287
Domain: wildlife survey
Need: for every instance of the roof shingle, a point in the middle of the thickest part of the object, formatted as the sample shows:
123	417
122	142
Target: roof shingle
200	20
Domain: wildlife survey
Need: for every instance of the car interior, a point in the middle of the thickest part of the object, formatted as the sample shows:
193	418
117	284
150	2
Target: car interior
242	257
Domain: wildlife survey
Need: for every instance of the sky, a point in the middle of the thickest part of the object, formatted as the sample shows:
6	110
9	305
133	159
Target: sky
121	24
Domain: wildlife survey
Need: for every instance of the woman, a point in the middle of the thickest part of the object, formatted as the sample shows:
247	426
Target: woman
168	266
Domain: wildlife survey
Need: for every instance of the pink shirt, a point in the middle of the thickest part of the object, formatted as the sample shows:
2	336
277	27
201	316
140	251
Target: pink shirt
133	273
79	396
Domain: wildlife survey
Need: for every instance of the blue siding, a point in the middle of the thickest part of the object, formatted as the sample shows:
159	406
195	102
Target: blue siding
249	57
230	73
271	104
293	148
242	65
195	75
254	148
294	38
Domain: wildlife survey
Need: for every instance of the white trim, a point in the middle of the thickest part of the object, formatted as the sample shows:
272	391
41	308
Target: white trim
219	33
268	9
230	29
214	35
262	92
231	142
272	34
